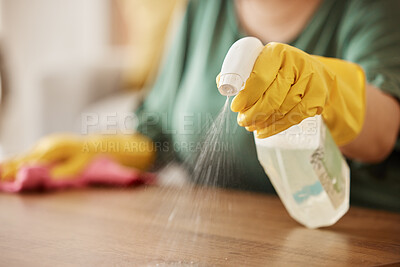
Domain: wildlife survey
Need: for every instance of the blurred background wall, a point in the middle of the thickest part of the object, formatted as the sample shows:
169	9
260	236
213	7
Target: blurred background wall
64	58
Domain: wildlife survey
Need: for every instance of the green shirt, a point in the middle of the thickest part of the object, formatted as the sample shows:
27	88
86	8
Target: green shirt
363	31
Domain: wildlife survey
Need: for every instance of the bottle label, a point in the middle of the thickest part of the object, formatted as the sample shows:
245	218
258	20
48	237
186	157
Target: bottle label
331	169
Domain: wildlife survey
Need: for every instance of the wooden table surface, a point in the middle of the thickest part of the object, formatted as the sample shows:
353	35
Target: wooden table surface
153	226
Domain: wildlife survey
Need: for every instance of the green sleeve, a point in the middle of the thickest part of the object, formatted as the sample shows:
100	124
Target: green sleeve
370	36
155	113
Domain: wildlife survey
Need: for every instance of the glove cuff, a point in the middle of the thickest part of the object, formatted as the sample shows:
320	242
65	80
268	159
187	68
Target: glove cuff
344	112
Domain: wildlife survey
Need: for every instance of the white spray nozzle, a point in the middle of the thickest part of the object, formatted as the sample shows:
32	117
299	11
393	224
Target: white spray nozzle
238	65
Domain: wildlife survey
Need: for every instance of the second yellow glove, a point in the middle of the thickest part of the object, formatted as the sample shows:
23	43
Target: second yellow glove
69	154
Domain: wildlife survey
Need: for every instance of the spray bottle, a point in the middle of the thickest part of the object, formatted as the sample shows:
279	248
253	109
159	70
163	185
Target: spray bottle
303	162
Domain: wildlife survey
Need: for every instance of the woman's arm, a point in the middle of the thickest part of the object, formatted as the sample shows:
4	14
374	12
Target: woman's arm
380	130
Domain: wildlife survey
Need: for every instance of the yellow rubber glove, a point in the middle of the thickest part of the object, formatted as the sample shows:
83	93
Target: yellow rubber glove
288	85
70	154
135	151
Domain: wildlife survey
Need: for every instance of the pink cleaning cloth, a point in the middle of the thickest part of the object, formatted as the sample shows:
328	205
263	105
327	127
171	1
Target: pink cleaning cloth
101	170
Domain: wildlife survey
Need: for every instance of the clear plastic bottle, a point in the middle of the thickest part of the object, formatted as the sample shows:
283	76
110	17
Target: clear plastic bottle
303	163
308	172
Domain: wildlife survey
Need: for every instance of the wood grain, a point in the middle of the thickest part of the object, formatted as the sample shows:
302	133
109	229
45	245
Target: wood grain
153	226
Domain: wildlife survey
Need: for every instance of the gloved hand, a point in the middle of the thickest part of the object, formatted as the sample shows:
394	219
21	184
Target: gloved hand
68	155
288	85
